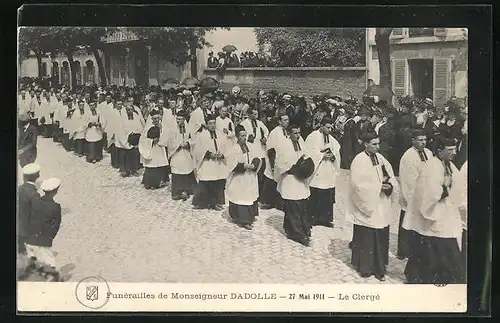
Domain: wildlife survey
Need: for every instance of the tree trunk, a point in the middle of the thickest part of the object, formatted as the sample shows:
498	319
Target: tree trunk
384	56
72	69
39	63
194	60
100	66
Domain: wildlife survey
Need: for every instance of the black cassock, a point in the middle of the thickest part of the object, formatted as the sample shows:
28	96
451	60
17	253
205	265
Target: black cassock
27	195
348	144
28	137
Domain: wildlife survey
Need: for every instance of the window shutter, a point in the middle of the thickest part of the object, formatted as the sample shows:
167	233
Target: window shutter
442	80
397	33
399	76
440	32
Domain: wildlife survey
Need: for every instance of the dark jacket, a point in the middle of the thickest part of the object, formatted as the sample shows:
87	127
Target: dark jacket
44	223
27	194
28	138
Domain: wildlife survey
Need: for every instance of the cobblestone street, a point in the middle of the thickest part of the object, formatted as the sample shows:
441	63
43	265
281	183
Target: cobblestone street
113	228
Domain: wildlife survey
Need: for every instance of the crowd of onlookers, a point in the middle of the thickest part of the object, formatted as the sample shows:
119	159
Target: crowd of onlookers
232	60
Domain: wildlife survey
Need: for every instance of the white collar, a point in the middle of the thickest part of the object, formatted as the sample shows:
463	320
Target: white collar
26	127
32	183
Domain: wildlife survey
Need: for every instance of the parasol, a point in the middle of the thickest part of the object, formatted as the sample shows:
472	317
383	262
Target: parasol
209	83
229	48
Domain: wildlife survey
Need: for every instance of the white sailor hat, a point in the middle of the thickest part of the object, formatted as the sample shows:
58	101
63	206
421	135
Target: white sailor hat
50	184
236	90
31	169
287	97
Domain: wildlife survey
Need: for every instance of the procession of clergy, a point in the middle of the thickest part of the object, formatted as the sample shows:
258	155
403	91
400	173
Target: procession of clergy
208	154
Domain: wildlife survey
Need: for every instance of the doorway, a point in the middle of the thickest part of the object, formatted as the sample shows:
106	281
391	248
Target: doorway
421	78
141	62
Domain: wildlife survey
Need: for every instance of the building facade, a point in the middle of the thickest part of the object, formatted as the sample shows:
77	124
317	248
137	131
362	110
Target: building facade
57	68
425	62
129	62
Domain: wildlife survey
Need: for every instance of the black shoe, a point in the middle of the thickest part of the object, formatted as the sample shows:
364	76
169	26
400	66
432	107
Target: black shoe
350	245
247	226
328	225
380	278
365	275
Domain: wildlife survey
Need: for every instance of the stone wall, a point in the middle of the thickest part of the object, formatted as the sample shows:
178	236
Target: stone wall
302	81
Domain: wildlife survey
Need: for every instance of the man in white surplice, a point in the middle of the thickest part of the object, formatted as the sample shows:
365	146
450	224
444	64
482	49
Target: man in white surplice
293	187
179	146
224	124
269	196
369	208
154	153
433	214
325	152
257	131
410	167
209	155
242	185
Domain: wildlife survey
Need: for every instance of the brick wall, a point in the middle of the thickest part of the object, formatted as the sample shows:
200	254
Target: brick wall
304	81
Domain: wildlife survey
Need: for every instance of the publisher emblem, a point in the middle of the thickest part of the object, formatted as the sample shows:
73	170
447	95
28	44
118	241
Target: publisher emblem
91	292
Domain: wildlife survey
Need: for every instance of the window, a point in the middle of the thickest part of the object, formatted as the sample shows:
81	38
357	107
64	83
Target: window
421	32
374	53
44	69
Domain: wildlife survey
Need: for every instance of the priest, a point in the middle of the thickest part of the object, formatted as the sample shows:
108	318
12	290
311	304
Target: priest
94	134
80	126
434	216
130	126
325	153
257	131
371	187
69	110
293	169
154	153
179	149
242	183
410	167
224	124
269	196
209	154
198	117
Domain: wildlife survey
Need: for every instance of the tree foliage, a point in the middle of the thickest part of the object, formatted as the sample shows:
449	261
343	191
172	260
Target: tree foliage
307	47
173	44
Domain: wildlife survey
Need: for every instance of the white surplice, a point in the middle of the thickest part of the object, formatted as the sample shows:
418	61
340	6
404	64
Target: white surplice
168	119
227	125
152	154
210	170
196	120
326	171
288	185
366	204
258	133
428	213
181	161
80	123
277	136
410	167
127	126
242	188
46	109
93	133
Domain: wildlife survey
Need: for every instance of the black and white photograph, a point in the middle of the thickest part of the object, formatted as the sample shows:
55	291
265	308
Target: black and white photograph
241	155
